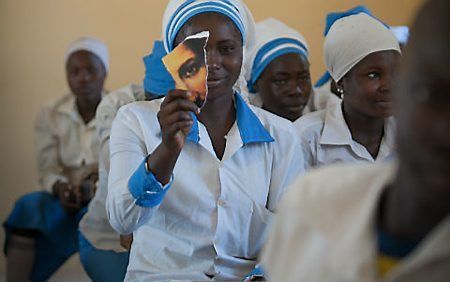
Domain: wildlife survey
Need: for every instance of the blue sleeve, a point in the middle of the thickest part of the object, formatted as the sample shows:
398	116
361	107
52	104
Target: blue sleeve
255	275
145	188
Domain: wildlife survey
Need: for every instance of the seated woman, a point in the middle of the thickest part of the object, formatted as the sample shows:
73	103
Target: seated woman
41	232
381	222
103	255
198	188
362	55
277	70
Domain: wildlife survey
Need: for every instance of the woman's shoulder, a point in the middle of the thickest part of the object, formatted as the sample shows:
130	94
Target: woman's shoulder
270	120
142	108
310	124
140	114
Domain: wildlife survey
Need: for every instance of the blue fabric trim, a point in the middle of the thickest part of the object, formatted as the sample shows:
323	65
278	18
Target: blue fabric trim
259	69
145	188
179	19
157	79
194	135
256	272
250	127
323	79
102	265
394	247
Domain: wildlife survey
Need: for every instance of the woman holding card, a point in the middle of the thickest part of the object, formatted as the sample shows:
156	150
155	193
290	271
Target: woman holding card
198	187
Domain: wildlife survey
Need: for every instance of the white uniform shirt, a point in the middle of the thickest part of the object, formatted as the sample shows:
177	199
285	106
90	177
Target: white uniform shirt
326	139
66	147
213	218
325	231
95	225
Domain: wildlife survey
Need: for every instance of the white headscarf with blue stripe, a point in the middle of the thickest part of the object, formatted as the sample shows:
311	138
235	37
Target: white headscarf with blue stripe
351	39
178	12
273	39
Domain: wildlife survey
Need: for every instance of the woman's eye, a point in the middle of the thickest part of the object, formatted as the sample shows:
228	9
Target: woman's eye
227	49
190	71
280	82
373	75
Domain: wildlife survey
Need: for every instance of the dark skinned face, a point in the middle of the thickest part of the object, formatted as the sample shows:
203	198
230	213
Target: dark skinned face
368	86
423	104
285	86
86	75
223	51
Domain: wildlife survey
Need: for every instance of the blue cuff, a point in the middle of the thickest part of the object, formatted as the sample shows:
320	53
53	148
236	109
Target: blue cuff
145	188
257	272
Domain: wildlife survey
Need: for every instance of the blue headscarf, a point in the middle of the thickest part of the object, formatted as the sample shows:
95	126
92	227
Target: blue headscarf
330	20
157	79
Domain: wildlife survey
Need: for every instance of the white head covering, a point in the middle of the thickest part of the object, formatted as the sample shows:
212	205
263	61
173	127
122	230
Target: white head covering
401	33
273	39
351	39
178	12
90	44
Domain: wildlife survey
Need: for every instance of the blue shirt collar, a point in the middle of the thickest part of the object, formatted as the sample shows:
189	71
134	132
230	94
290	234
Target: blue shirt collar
249	125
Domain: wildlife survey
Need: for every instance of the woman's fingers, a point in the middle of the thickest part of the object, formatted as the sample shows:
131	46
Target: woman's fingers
177	126
175	117
175	94
177	105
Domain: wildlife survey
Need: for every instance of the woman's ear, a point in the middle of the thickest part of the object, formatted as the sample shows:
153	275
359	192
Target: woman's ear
340	87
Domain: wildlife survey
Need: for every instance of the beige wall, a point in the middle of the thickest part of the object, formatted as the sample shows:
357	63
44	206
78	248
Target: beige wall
34	35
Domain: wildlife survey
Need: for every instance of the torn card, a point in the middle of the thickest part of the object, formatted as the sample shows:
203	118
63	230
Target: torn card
187	65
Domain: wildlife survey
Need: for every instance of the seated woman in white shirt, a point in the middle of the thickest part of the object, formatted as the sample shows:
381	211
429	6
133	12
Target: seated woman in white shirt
104	256
277	70
385	221
41	231
363	60
197	188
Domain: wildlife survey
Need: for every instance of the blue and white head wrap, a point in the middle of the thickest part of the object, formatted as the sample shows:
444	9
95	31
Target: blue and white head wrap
273	39
157	79
178	12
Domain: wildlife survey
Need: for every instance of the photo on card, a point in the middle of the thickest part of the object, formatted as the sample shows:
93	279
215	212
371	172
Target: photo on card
187	65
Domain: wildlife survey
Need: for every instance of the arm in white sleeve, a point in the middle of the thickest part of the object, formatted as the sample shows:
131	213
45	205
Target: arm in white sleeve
50	169
133	192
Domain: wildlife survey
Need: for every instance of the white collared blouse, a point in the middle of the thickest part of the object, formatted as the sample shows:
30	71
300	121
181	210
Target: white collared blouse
65	145
211	218
326	139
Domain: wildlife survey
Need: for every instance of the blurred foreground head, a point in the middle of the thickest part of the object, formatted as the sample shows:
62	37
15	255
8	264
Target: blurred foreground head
423	103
